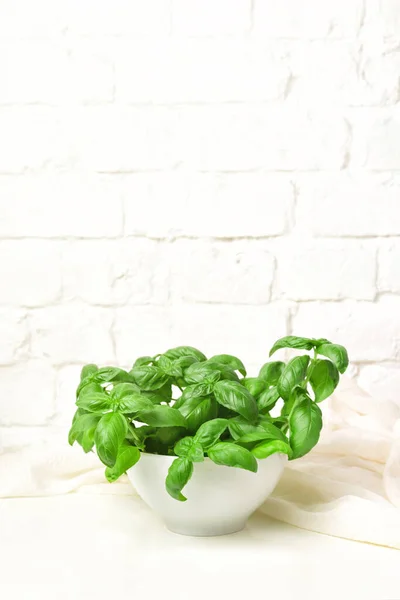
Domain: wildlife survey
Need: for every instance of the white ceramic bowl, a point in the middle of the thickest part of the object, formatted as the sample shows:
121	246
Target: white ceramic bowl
219	499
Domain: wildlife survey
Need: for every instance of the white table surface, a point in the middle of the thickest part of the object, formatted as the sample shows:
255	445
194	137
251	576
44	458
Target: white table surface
85	546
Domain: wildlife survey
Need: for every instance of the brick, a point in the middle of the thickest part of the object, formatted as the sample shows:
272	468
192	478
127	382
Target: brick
227	272
245	331
141	331
58	205
326	270
122	17
114	139
72	333
381	381
234	137
348	204
313	20
34	138
20	18
368	330
199	70
133	271
389	17
388	266
27	393
376	138
379	65
211	17
259	205
30	271
67	380
14	335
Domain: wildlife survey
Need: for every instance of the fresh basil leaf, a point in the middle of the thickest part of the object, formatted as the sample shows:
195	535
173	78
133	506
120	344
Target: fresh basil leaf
95	402
134	403
143	360
298	393
90	388
85	423
88	370
163	394
255	385
271	372
226	372
196	390
336	353
202	372
169	435
209	433
197	411
267	400
111	374
234	396
179	474
293	341
231	455
232	361
127	457
180	351
188	448
84	383
149	378
169	367
162	416
293	374
305	424
123	389
142	432
265	449
110	433
242	430
324	378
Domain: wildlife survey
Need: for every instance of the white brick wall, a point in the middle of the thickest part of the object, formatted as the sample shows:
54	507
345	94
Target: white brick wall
211	172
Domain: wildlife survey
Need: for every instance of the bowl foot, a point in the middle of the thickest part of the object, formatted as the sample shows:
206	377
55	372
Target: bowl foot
206	530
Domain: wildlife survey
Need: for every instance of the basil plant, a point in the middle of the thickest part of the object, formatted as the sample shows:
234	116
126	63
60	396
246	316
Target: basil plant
182	404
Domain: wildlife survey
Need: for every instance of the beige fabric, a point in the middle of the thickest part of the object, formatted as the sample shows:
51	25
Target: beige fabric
348	486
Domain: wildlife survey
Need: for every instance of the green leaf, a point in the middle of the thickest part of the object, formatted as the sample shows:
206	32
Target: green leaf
169	435
111	374
143	360
197	411
336	353
123	389
162	416
179	474
95	401
226	372
234	396
203	372
293	374
298	393
255	385
82	430
268	399
169	367
188	448
110	433
271	372
127	457
265	449
88	370
90	388
209	433
232	361
324	379
180	351
134	403
196	390
293	341
149	378
231	455
246	432
305	425
164	394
